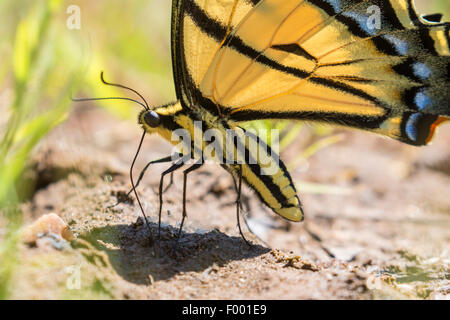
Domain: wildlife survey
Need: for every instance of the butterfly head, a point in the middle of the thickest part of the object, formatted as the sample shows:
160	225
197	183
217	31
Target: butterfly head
150	120
157	119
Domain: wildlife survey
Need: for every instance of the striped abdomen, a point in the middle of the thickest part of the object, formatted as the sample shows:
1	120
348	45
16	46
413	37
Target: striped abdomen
267	176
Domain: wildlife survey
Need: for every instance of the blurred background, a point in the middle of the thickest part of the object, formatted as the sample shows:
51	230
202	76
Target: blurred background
48	56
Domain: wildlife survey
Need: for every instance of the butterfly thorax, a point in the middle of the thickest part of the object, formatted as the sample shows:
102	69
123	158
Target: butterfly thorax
173	116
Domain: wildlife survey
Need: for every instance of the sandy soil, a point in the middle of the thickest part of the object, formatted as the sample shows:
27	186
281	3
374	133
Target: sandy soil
379	231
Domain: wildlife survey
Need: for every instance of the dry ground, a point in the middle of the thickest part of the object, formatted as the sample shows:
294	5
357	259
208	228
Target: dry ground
385	221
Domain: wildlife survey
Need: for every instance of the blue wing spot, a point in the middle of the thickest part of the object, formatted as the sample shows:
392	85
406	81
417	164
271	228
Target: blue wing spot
362	22
412	125
336	4
422	100
421	70
400	46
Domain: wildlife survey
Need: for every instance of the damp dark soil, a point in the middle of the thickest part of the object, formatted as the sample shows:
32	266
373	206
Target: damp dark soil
377	222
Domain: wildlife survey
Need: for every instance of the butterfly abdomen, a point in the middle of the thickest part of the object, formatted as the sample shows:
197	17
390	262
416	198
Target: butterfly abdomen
267	175
237	149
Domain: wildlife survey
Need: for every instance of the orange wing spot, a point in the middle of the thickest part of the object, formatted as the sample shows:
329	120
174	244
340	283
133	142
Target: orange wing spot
434	126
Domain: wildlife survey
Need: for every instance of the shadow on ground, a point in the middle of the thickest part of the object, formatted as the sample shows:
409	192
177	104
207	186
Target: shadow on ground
136	259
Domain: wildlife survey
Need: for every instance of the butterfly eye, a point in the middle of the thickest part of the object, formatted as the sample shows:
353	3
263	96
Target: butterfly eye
151	118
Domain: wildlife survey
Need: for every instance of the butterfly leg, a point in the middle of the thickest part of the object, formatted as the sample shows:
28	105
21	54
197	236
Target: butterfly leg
319	240
244	200
185	173
141	175
247	205
238	188
163	160
239	205
173	168
170	183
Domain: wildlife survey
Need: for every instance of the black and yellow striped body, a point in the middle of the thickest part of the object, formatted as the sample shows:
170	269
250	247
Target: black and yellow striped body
275	187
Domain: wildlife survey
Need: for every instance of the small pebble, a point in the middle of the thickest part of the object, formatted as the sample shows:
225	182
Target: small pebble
49	224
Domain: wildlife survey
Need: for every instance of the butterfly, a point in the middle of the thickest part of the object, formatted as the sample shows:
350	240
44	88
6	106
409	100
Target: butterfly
374	65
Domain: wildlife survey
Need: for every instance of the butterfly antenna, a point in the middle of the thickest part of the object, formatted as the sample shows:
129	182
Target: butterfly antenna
109	98
140	143
123	87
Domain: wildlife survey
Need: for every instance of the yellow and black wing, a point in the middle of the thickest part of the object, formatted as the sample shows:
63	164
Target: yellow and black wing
199	29
374	64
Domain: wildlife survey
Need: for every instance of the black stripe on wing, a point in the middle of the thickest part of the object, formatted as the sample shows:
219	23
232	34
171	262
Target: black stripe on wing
349	120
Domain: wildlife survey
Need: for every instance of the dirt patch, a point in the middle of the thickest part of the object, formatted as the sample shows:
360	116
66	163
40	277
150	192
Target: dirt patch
377	221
